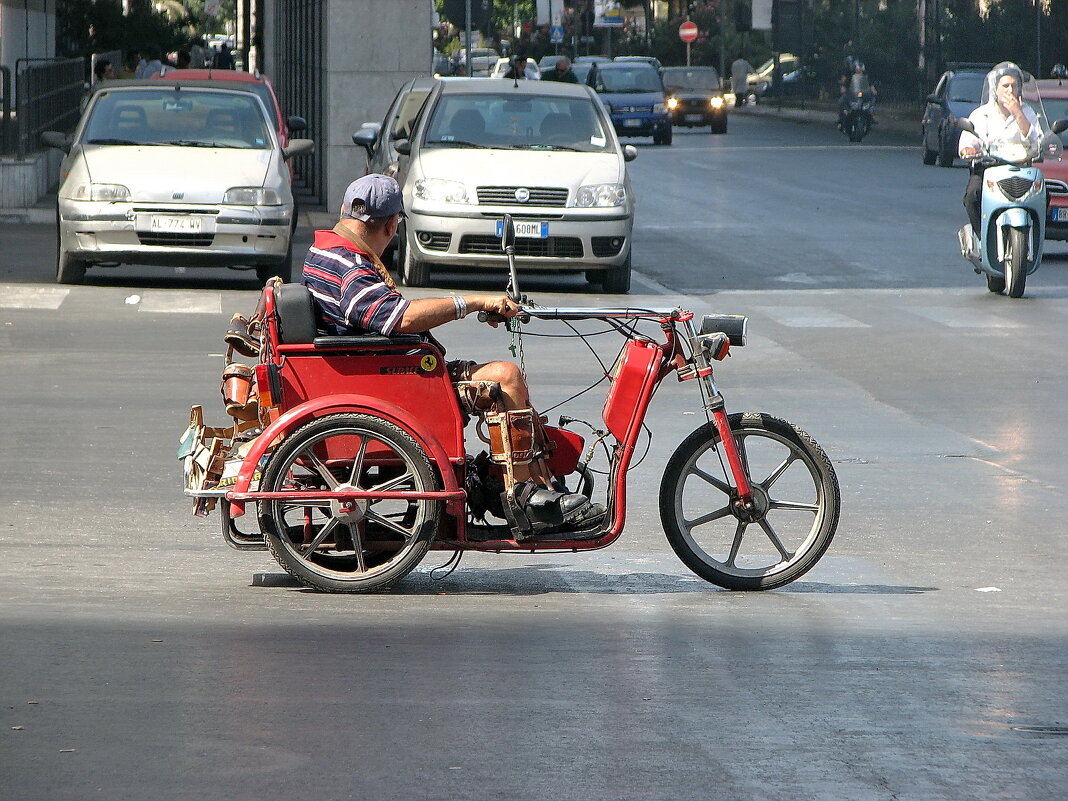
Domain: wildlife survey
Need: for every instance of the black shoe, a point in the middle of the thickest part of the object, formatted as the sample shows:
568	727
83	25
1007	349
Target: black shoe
240	339
557	514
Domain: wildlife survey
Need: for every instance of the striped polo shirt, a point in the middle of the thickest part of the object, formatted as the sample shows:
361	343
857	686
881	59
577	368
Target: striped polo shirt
350	295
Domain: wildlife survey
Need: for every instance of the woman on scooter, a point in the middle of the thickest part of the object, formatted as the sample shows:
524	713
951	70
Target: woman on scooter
1003	116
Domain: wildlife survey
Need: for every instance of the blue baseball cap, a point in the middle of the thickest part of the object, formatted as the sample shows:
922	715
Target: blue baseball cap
380	196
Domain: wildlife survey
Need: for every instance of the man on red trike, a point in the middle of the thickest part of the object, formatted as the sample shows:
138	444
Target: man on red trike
354	294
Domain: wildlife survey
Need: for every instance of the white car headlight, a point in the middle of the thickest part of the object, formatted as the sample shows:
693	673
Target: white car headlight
440	190
672	103
658	108
100	192
599	195
251	196
715	101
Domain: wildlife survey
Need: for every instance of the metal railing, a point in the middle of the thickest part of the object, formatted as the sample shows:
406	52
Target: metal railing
299	84
48	94
7	120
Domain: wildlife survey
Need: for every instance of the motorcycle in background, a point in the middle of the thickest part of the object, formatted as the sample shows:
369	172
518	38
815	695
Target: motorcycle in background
860	108
1014	199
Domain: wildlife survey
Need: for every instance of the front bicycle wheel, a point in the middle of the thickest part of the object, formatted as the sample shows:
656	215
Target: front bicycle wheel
355	546
786	529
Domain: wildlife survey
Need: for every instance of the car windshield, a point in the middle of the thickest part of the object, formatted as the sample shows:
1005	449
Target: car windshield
185	117
641	79
528	122
966	88
675	80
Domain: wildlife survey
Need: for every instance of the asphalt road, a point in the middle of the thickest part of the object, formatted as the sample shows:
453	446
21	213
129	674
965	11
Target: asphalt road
922	658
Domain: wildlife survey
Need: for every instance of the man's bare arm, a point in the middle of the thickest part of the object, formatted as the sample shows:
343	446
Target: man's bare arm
426	313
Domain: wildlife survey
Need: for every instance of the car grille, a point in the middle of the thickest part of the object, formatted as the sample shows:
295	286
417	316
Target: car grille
434	240
562	247
202	240
539	196
1056	187
174	210
697	104
605	246
1015	187
633	109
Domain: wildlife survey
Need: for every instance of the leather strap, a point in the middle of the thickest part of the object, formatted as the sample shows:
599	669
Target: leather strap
342	230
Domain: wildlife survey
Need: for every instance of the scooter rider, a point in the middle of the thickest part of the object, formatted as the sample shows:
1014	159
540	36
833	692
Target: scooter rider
355	294
1003	116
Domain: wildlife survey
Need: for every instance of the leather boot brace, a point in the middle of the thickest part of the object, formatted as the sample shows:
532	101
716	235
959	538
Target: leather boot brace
511	435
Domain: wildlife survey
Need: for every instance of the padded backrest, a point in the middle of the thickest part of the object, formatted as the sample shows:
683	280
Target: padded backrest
295	308
222	121
467	124
556	123
127	118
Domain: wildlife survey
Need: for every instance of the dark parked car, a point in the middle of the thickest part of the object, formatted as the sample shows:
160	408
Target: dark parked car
956	95
695	97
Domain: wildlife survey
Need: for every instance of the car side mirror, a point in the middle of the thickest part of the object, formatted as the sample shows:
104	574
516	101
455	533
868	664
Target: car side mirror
297	147
404	147
365	138
297	124
1060	126
56	139
934	99
630	152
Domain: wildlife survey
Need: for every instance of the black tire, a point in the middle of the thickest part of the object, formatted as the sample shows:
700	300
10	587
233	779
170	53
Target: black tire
382	541
668	134
283	269
1016	263
947	153
616	280
411	271
777	455
929	156
68	270
720	126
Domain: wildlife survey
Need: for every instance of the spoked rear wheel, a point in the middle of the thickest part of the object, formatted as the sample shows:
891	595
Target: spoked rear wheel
789	525
349	546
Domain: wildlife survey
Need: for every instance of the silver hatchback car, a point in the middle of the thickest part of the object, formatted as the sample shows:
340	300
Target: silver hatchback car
171	173
543	152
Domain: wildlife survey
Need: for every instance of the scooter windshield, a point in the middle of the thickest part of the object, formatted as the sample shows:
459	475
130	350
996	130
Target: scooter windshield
859	84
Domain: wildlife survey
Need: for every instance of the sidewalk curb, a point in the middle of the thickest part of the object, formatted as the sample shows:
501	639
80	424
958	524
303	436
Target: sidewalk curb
885	120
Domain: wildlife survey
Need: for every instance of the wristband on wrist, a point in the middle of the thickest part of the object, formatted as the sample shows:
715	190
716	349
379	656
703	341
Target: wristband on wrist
461	306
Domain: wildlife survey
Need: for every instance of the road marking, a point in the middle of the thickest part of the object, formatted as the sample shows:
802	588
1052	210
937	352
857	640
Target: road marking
963	318
809	317
181	303
20	296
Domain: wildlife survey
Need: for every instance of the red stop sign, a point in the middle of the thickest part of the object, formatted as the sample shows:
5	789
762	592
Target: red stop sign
688	31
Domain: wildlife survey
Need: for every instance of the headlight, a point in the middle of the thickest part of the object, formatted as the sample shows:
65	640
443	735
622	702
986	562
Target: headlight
672	103
716	101
601	195
440	190
251	196
101	192
608	107
658	108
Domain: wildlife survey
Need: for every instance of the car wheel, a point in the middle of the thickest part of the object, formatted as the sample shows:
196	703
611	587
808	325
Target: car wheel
616	280
946	153
666	138
719	126
412	271
68	270
282	269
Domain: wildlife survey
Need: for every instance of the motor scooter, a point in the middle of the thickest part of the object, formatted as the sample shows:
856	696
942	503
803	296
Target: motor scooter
860	108
1008	247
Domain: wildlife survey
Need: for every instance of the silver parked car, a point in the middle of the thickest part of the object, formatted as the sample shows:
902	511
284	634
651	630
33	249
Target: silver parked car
177	174
544	152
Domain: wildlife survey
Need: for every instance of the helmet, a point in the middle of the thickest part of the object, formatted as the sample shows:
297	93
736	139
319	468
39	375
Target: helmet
996	74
